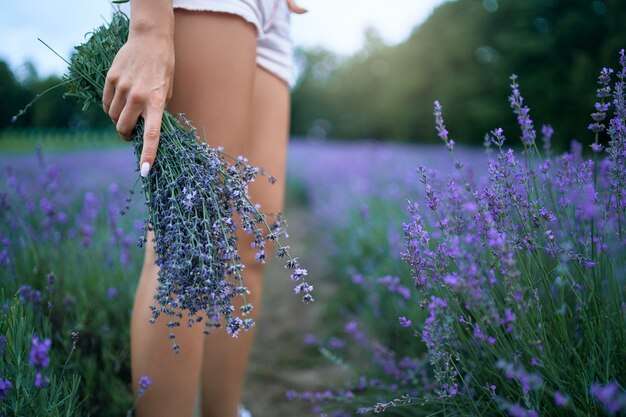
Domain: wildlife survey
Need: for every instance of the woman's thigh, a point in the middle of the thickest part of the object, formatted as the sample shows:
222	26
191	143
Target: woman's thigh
232	101
268	138
214	75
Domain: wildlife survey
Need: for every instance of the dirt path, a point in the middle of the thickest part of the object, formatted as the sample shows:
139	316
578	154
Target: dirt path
279	360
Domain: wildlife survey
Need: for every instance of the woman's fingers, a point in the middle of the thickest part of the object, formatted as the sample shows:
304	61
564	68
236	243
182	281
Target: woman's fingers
151	134
117	105
108	92
295	8
128	119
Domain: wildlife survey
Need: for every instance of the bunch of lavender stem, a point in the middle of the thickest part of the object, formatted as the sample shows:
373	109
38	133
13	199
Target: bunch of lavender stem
194	193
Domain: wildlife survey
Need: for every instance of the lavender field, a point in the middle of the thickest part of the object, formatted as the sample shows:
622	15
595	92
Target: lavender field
71	200
448	281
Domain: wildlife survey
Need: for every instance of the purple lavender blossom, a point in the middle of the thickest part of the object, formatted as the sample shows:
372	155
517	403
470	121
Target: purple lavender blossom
528	381
112	292
41	381
5	259
310	339
516	410
193	193
336	343
442	131
393	286
404	322
5	386
144	383
611	396
352	329
39	358
27	294
547	132
561	399
523	113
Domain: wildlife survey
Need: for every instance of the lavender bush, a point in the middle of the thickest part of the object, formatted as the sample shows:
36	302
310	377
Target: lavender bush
28	384
65	253
520	276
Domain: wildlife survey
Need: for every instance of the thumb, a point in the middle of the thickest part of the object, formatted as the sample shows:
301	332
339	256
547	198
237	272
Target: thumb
151	133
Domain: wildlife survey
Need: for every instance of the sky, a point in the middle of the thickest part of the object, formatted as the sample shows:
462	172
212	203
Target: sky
334	24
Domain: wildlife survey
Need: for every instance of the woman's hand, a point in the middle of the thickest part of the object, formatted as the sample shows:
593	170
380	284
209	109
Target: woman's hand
139	83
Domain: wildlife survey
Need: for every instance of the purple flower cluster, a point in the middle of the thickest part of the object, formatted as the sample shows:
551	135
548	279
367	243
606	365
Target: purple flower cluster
442	131
3	344
523	113
520	272
26	294
500	260
616	150
394	286
40	360
144	383
193	193
42	206
516	410
527	380
611	396
5	386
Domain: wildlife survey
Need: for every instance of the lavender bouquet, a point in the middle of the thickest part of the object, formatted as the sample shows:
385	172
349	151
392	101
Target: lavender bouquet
193	193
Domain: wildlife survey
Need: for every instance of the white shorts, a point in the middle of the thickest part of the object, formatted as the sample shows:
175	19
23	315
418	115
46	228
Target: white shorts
274	51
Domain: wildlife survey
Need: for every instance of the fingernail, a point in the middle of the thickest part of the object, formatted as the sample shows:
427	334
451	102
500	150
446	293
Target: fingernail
145	167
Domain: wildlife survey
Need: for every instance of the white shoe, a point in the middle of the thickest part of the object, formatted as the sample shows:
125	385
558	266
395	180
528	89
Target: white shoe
243	412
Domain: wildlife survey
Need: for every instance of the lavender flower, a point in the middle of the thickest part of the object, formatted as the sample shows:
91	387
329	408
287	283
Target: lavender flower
393	286
442	131
41	381
196	246
528	381
561	399
144	383
3	344
404	322
27	294
610	396
5	386
39	350
547	132
516	410
523	114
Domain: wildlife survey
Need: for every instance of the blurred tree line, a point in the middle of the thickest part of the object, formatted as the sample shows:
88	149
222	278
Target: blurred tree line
463	55
50	110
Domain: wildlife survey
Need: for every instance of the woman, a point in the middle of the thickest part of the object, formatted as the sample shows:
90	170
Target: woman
227	65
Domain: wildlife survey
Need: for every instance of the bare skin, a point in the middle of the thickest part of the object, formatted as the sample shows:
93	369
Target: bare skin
237	105
140	79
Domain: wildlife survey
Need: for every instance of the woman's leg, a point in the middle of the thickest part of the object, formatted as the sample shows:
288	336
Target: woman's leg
225	358
215	67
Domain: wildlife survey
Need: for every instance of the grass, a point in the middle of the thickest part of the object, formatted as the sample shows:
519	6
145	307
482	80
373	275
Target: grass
22	141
